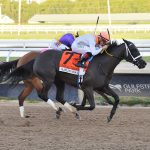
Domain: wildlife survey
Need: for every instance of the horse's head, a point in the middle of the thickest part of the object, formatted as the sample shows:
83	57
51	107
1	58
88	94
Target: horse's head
133	55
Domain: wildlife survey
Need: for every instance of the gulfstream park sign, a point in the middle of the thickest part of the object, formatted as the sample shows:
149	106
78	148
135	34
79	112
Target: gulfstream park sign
131	84
131	88
137	88
122	84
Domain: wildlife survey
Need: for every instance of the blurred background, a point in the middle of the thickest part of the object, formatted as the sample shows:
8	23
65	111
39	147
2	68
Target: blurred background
46	19
43	20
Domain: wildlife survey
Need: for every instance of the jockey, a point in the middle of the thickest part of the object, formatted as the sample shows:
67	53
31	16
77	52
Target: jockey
90	45
64	42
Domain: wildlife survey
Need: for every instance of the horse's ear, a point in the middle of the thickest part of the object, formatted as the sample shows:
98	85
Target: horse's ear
124	40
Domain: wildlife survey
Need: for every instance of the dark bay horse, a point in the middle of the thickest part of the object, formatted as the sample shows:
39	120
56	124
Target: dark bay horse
30	83
46	67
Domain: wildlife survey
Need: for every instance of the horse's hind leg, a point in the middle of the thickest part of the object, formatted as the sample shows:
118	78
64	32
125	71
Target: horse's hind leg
26	91
60	98
36	82
43	94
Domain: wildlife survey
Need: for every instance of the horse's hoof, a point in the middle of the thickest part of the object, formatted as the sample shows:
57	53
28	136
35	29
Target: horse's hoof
72	103
108	119
77	116
57	116
58	113
27	116
60	109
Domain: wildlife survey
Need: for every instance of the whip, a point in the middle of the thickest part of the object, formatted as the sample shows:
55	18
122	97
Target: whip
96	24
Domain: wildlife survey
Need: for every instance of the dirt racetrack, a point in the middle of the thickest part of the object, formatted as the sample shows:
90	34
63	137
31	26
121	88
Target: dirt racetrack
129	129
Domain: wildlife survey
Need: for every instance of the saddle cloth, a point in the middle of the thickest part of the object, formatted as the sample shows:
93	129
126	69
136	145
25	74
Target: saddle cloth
68	63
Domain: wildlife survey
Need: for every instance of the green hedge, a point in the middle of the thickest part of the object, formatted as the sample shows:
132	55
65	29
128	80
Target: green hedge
124	101
127	100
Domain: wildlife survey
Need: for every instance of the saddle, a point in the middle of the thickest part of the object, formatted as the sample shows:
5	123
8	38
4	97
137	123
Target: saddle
68	63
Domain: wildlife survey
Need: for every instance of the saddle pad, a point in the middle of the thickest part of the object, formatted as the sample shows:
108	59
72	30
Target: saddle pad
68	61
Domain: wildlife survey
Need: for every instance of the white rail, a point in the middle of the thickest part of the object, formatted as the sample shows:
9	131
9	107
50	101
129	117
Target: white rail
17	48
72	28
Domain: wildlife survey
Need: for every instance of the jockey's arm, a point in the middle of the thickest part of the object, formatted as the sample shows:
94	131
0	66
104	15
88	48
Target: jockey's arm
53	44
94	50
97	50
57	46
63	47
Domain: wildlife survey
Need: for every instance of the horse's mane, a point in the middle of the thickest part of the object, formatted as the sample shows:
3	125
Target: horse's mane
114	44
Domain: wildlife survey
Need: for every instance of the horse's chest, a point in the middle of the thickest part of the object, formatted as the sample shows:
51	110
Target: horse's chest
95	80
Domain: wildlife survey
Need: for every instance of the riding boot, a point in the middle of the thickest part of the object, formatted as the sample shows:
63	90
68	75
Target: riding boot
83	60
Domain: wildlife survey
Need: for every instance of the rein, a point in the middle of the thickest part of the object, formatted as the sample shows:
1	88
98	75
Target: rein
109	54
127	53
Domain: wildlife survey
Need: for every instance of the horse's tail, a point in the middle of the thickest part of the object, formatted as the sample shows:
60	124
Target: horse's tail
6	68
21	73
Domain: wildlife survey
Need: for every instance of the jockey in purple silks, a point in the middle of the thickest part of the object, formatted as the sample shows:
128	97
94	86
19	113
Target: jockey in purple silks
63	43
67	40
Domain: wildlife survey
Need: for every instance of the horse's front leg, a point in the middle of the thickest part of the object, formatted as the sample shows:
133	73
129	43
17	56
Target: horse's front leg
103	93
83	103
84	100
88	94
116	98
99	91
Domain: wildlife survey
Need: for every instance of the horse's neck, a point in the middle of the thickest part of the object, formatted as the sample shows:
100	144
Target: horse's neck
109	63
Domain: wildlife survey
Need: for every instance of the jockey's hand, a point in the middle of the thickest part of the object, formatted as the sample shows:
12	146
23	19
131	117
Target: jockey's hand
104	48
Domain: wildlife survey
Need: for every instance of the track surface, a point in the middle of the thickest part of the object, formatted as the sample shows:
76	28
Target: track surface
129	129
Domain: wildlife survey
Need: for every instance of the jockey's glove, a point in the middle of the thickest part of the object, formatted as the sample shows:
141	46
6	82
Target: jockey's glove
104	48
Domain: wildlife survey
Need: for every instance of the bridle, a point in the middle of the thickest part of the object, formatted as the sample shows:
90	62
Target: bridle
128	52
